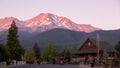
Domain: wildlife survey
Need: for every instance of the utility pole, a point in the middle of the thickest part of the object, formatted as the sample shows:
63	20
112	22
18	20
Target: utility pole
97	42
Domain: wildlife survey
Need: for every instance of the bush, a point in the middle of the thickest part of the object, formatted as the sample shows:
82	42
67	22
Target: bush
76	63
29	62
116	62
106	63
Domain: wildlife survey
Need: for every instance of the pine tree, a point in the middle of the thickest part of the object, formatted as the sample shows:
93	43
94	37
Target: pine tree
117	48
67	53
4	53
36	50
13	44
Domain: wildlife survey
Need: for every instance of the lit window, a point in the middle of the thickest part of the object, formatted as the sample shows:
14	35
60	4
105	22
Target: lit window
88	43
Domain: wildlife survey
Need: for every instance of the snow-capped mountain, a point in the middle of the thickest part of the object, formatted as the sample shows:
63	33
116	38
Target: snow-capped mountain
47	21
44	22
6	22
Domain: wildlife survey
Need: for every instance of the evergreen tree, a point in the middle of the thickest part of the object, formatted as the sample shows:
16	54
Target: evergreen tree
49	53
13	44
67	54
36	50
4	53
117	48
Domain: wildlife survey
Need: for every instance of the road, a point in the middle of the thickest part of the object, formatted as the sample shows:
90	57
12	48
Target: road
48	66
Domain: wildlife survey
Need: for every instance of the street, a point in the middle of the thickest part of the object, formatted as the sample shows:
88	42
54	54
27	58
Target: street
49	66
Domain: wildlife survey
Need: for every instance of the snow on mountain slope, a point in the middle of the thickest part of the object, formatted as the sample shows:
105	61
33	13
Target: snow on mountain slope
44	22
6	22
47	21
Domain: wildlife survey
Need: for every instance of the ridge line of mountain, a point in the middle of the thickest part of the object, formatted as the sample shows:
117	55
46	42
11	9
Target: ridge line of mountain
44	22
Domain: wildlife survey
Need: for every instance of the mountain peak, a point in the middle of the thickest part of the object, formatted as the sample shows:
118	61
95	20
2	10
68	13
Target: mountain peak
46	21
5	23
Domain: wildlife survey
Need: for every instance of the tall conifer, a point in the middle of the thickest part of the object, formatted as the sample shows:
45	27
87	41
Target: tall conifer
117	48
13	44
36	50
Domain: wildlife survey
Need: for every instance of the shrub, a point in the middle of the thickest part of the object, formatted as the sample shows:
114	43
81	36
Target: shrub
106	63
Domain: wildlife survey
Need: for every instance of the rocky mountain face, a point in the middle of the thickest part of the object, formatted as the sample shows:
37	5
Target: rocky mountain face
44	22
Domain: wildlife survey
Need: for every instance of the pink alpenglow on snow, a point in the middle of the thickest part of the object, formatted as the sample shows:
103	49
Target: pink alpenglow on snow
44	22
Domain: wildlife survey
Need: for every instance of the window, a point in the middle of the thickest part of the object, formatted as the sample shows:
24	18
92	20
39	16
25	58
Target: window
88	43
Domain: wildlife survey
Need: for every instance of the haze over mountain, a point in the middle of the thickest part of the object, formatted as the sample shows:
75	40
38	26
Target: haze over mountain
44	22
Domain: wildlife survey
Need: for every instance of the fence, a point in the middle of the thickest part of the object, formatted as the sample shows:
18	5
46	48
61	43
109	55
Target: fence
21	62
3	63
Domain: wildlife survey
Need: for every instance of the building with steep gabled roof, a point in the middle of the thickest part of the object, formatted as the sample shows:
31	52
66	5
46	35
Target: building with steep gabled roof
90	49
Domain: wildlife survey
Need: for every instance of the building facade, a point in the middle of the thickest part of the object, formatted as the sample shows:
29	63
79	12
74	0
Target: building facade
90	49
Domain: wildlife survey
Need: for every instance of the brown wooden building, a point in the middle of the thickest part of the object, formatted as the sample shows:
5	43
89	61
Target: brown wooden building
91	49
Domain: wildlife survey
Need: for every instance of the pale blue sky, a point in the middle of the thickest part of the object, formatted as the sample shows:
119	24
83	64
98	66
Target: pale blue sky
104	14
